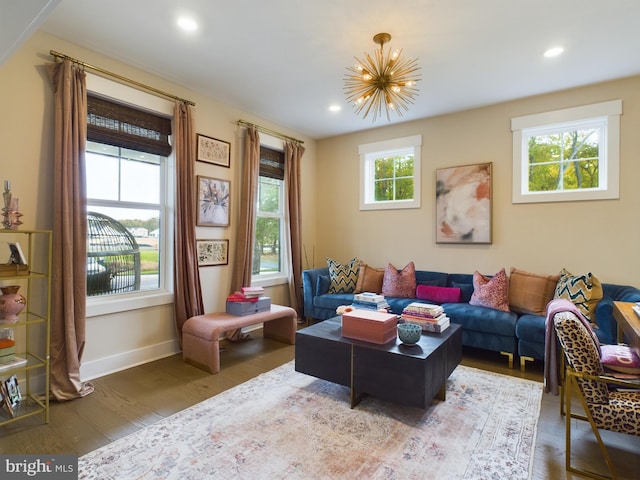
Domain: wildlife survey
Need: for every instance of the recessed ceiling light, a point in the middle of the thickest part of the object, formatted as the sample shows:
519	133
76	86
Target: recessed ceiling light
335	108
187	24
553	52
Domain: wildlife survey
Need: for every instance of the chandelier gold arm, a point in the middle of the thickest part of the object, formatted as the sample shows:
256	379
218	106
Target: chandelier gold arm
385	81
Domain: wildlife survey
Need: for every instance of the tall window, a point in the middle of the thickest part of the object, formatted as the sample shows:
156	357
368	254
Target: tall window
568	154
126	169
270	246
390	174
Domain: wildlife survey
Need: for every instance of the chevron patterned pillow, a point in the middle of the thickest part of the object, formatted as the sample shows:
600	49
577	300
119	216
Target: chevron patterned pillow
343	277
576	289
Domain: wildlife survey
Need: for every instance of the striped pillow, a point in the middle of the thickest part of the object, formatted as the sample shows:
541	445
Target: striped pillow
577	289
343	278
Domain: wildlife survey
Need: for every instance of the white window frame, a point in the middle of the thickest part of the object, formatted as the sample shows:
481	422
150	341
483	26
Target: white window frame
370	152
282	277
607	113
107	304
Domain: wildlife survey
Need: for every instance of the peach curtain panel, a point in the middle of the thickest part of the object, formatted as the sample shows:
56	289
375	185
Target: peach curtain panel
188	294
69	281
292	155
241	276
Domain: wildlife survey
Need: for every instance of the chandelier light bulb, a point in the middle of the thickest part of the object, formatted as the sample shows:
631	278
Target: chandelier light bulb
375	83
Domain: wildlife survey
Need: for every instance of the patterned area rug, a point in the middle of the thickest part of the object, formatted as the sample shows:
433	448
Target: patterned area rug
287	425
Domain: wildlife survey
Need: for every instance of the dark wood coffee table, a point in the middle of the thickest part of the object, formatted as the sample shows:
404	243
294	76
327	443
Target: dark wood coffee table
409	375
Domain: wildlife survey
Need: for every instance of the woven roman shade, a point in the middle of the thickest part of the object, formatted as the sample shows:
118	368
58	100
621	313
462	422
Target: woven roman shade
127	127
271	163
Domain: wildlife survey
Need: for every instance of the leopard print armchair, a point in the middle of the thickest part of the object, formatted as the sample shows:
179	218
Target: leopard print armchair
605	407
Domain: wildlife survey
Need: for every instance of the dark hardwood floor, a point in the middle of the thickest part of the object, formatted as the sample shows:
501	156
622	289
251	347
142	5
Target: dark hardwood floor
132	399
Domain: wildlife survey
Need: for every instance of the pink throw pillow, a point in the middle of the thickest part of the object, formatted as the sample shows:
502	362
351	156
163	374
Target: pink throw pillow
491	292
435	294
620	358
399	284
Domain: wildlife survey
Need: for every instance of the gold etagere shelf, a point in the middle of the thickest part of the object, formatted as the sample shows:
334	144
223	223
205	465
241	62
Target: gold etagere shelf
32	329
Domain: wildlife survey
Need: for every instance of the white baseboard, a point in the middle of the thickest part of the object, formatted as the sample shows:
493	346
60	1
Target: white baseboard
122	361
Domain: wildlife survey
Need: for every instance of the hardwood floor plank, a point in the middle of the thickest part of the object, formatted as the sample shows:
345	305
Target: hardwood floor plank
126	401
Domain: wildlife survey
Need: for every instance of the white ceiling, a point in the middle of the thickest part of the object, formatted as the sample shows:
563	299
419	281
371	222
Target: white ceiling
285	60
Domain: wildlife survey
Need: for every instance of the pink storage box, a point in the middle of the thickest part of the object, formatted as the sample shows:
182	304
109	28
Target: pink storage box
370	326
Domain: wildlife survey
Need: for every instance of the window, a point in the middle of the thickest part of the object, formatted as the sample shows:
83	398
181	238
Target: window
390	174
270	261
567	155
129	172
125	186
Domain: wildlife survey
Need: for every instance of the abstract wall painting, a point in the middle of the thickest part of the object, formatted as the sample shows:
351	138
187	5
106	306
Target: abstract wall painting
463	204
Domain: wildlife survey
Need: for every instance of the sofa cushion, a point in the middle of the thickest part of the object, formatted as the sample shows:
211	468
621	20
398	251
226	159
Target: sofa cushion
531	328
530	292
322	284
491	292
576	289
343	277
369	279
482	319
435	294
466	290
436	279
399	284
332	301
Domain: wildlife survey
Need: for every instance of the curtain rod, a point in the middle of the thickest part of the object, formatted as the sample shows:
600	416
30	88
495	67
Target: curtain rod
119	77
271	132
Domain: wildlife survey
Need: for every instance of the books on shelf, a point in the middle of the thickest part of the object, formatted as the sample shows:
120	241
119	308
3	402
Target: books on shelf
17	362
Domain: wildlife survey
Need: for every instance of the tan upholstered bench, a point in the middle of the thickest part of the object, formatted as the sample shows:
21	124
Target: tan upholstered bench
201	334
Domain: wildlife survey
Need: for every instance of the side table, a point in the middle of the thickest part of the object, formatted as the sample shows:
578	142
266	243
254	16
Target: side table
628	324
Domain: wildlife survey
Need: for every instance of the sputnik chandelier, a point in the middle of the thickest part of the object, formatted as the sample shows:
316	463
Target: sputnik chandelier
386	81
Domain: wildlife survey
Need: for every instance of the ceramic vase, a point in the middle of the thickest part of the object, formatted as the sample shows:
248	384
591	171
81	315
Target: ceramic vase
11	304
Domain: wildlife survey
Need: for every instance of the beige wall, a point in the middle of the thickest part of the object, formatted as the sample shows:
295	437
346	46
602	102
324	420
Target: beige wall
598	236
601	236
26	140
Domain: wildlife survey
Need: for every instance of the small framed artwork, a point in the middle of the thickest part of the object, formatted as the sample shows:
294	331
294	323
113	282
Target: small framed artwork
214	151
213	202
17	257
13	390
212	252
463	204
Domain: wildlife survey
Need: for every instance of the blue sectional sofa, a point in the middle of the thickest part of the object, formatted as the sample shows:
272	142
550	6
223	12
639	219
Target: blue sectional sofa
506	332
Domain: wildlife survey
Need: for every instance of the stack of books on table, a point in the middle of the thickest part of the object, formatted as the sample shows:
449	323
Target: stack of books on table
247	301
369	301
430	317
252	293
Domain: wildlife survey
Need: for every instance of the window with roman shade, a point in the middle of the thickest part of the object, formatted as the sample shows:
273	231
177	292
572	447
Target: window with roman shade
127	127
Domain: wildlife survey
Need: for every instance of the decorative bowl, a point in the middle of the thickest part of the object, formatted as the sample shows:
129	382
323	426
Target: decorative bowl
409	333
